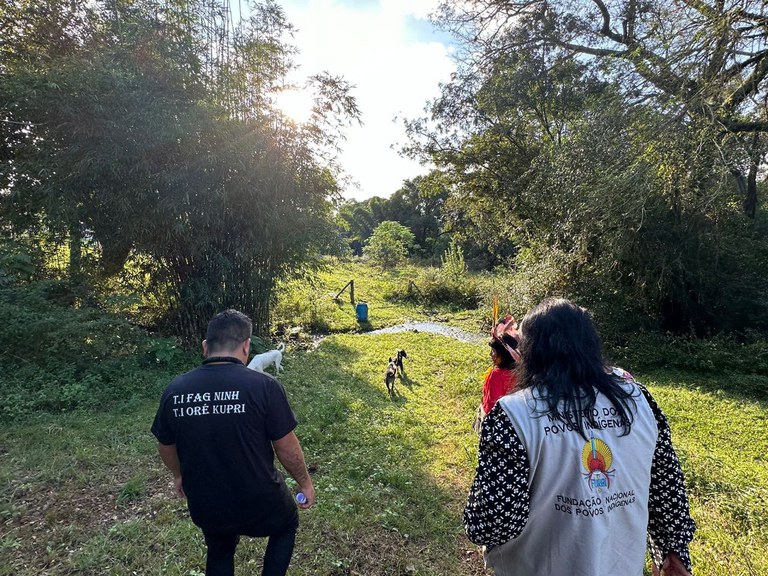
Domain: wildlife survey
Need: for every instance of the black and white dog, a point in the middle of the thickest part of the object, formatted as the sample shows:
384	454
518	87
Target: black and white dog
392	370
389	377
399	360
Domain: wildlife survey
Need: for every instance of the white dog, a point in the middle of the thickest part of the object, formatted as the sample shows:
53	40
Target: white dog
261	361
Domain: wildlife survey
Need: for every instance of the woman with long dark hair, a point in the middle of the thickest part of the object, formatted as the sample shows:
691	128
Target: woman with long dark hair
576	467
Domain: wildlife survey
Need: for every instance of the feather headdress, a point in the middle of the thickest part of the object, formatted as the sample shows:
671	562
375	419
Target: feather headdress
507	327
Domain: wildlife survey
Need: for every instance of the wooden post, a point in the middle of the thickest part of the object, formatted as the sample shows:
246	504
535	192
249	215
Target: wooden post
351	285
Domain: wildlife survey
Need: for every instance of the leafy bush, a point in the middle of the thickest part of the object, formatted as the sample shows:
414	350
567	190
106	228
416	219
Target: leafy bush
16	261
450	285
452	262
726	355
433	287
389	243
58	358
535	275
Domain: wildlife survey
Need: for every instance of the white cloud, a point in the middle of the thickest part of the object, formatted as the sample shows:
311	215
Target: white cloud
418	8
394	65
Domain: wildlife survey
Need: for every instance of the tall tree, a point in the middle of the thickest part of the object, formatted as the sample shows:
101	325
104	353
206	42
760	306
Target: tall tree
495	124
151	134
418	205
389	244
357	223
706	60
617	198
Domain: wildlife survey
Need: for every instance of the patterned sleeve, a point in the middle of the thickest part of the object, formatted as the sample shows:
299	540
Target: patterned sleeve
670	526
497	506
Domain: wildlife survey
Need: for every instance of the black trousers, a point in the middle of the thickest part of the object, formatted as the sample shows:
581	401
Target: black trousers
220	560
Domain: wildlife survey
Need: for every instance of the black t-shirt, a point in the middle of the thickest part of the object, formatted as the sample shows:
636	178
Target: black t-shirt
223	419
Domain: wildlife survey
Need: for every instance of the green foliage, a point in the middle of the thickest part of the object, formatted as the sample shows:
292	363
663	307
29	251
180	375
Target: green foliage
17	262
165	351
389	243
625	41
417	206
432	287
160	118
58	358
450	285
356	222
553	168
392	476
745	355
536	273
452	263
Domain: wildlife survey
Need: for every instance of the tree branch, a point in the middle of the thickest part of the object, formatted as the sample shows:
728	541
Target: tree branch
749	86
703	8
739	66
732	126
589	50
606	29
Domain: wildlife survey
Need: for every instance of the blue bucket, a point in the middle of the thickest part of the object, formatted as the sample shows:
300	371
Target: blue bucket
361	311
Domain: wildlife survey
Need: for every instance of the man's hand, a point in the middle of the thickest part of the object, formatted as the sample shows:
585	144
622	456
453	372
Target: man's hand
288	451
179	487
171	460
309	493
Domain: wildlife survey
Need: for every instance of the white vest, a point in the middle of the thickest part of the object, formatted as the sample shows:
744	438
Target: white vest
589	498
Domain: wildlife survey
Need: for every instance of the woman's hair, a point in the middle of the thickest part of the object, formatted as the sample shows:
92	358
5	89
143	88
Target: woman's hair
562	359
506	362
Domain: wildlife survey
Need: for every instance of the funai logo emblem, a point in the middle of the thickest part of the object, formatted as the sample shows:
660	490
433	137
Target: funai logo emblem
597	459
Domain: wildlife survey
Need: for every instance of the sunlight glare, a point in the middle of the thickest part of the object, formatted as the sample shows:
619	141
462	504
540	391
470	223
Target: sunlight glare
295	104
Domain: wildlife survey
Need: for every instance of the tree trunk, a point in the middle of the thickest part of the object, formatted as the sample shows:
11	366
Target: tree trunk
750	197
75	253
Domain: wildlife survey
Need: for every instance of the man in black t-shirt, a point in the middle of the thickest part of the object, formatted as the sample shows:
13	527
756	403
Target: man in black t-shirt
219	428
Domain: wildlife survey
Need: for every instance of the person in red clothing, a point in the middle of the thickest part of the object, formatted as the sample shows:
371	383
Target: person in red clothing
500	378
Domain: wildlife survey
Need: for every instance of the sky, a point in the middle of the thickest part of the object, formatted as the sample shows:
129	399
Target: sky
395	59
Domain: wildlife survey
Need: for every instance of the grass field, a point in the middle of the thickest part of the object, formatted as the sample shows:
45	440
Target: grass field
85	492
312	303
722	439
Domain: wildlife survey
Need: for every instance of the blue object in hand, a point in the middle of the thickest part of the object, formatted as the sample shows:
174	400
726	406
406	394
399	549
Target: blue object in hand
300	498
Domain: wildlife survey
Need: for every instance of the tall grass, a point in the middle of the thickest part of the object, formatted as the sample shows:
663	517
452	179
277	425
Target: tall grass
722	438
83	491
311	302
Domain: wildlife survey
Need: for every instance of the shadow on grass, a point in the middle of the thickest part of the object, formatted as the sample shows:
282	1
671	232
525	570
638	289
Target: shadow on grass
407	382
738	387
398	397
381	509
92	487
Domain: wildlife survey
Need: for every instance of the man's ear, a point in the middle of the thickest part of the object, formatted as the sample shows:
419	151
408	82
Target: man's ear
247	347
205	348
